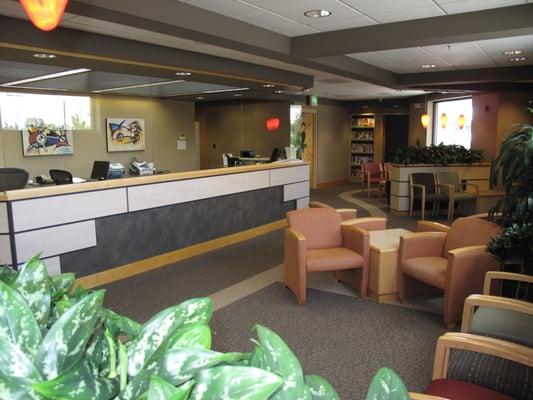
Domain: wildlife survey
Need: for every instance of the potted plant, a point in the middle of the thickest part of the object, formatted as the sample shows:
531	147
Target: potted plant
441	155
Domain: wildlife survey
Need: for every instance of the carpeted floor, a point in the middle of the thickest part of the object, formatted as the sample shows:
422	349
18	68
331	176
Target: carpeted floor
339	337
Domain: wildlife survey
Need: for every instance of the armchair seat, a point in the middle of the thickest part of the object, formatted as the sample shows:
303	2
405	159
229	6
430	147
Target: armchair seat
431	197
459	390
511	325
464	196
332	259
431	270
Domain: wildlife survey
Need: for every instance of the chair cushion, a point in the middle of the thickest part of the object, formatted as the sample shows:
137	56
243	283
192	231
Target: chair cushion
469	232
463	196
450	178
458	390
505	324
332	259
431	270
320	226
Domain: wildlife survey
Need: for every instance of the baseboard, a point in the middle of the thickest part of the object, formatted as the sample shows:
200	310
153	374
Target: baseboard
149	264
332	183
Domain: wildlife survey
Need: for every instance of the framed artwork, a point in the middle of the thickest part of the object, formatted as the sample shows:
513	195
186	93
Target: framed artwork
47	141
125	134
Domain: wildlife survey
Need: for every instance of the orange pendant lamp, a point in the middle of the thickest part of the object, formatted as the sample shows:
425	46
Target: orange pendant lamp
424	119
45	14
272	124
461	121
443	120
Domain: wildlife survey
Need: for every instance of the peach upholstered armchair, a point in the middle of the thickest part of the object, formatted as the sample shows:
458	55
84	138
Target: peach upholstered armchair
346	213
454	262
316	240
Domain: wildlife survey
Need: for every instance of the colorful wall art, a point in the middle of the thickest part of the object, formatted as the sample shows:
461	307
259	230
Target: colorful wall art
125	134
46	140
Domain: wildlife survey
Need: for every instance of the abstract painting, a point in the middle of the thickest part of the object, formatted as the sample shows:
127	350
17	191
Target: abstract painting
43	140
125	134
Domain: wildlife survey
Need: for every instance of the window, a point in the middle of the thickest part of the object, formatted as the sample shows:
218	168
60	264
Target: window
452	133
18	110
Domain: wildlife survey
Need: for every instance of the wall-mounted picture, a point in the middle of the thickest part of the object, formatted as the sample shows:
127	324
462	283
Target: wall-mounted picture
125	134
46	140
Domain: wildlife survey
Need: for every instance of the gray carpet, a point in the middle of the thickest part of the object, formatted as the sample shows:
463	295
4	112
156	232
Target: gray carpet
339	337
141	296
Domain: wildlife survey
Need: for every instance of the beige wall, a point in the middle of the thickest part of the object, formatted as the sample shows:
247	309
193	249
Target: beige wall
231	127
164	119
333	149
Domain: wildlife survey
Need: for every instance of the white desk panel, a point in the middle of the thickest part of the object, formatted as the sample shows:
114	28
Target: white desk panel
163	194
5	250
56	210
296	191
284	176
302	203
56	240
4	223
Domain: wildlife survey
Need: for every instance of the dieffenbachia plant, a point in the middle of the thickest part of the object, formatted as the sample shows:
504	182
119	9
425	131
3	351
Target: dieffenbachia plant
59	342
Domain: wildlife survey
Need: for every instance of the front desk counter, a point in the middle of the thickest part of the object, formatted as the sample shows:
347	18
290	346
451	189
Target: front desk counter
108	230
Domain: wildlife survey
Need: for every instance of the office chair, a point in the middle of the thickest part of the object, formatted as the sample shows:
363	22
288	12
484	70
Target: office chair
60	177
13	178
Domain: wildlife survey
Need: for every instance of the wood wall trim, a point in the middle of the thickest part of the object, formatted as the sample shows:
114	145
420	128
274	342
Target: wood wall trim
329	184
162	260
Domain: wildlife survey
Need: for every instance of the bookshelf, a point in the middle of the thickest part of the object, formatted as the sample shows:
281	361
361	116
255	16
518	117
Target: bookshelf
361	142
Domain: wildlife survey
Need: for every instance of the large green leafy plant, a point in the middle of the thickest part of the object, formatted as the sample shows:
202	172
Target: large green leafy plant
438	155
57	342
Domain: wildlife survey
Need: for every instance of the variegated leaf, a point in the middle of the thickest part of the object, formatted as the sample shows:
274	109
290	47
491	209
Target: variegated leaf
14	363
7	274
193	337
62	284
12	388
321	388
386	385
33	284
160	389
277	357
17	322
163	326
78	383
66	340
119	324
243	383
59	307
175	366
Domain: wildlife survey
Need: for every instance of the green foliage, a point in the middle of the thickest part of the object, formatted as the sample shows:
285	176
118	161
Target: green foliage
438	155
78	124
386	385
59	342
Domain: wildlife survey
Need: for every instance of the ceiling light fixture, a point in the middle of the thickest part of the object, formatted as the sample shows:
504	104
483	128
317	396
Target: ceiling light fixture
142	85
48	76
512	52
200	98
443	120
317	13
426	66
518	59
268	85
46	56
461	121
237	95
183	73
278	91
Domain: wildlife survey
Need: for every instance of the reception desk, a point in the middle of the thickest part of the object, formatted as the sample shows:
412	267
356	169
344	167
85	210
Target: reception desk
111	229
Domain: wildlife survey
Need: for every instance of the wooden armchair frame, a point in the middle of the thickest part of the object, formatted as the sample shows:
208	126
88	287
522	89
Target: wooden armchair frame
436	203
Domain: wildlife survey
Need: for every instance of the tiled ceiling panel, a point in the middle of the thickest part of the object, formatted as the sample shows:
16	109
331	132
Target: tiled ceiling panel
462	6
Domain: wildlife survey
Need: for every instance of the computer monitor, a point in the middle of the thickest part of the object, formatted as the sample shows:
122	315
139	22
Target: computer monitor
248	153
100	170
275	154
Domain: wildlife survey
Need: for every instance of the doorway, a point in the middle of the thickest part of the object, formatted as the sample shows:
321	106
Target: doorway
396	134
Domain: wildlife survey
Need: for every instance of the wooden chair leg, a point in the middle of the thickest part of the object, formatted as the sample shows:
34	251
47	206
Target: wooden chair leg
423	206
451	208
411	204
368	188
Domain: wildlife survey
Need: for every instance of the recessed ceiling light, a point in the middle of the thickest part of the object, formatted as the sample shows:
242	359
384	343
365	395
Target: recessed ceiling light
278	91
183	73
317	13
428	66
364	107
47	76
268	85
237	95
46	56
518	59
200	98
513	52
142	85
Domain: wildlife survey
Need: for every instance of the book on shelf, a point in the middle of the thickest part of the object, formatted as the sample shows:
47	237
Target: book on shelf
363	135
363	122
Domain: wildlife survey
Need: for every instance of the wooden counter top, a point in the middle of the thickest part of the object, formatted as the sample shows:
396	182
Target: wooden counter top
53	190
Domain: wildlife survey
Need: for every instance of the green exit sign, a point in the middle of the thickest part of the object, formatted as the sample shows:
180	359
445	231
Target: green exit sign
314	101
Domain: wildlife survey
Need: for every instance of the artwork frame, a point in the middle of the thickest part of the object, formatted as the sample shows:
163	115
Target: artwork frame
125	134
47	140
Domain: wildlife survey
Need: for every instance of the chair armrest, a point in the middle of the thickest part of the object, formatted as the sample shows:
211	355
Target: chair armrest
502	303
507	276
467	267
479	344
428	226
347	213
422	244
449	188
356	239
368	223
295	270
416	185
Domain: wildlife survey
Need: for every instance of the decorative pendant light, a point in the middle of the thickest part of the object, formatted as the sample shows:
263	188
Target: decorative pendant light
443	120
425	120
272	124
45	14
461	121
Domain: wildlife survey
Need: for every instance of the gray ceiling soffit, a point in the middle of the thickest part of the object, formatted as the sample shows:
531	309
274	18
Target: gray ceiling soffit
507	74
21	32
215	29
519	87
487	24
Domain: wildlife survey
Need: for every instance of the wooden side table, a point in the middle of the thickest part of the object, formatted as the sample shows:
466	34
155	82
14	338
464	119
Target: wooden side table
383	281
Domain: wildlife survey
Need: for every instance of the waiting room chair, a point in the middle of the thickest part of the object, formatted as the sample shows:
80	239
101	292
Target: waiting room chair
13	178
370	173
500	317
472	367
316	240
346	213
423	186
455	262
60	177
386	170
452	185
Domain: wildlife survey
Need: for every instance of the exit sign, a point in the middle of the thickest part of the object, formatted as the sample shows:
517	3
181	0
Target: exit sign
314	101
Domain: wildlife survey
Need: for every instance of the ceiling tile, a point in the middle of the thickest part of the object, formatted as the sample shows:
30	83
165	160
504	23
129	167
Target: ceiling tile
231	8
462	6
275	23
461	54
